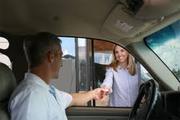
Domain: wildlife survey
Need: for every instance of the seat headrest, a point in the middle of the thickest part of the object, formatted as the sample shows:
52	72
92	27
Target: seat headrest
7	82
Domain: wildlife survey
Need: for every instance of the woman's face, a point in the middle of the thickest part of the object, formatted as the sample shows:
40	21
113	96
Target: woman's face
121	55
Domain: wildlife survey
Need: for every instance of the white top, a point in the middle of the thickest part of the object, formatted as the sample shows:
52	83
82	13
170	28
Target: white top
124	87
32	100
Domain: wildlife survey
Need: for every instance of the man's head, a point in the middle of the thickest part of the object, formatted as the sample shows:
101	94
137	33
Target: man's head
43	49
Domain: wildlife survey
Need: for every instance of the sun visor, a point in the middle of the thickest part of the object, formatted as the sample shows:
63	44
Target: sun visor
122	23
153	9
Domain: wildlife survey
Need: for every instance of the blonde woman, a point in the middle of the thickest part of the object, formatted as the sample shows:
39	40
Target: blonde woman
122	79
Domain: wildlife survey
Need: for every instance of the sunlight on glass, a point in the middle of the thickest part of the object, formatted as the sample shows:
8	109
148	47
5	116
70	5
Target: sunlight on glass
166	44
103	58
170	48
68	46
81	42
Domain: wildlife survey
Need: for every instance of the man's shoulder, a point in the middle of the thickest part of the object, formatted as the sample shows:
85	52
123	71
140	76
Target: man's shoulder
28	98
28	89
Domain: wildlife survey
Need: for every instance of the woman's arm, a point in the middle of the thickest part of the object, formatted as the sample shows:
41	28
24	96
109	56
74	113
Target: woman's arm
79	99
108	81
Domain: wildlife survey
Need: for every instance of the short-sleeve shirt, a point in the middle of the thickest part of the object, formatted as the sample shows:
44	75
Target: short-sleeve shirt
32	100
124	87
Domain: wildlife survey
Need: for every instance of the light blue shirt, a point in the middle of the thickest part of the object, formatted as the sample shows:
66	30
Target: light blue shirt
33	100
124	87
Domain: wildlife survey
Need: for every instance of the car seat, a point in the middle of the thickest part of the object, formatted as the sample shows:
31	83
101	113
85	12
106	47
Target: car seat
7	85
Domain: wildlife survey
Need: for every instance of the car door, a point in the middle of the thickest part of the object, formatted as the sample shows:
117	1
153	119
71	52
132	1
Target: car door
84	67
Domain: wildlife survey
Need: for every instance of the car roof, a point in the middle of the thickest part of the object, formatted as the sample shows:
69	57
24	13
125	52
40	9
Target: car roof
122	21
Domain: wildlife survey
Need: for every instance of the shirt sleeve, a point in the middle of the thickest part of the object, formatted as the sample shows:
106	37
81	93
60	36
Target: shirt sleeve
64	98
108	81
29	106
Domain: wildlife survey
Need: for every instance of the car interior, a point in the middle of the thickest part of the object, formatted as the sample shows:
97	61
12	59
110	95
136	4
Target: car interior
128	23
8	84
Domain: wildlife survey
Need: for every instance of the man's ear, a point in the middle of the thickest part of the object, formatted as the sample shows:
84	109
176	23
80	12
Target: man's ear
50	56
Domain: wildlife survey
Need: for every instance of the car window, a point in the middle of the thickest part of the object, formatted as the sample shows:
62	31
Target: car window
145	75
84	66
166	44
67	74
4	44
103	56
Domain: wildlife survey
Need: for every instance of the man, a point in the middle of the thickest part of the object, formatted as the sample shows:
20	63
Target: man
35	98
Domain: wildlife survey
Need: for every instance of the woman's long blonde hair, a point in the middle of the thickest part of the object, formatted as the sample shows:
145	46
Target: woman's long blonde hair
131	66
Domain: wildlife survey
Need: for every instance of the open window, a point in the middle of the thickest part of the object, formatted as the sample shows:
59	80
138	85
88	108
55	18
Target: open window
84	66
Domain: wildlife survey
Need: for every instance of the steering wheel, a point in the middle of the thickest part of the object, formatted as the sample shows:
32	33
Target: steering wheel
146	100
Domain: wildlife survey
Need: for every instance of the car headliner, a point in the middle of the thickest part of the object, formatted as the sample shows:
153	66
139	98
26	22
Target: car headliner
87	18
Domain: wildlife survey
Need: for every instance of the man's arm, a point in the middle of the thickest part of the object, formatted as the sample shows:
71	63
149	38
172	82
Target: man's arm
83	98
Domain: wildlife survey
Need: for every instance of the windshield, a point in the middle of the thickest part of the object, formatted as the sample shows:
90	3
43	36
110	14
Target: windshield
166	44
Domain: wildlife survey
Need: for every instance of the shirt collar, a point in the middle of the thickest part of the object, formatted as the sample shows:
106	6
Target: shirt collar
36	79
120	67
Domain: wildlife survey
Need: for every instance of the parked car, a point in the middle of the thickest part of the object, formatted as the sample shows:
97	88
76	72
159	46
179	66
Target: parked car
147	29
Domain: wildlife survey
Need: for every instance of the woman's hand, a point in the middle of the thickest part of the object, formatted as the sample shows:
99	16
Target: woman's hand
100	93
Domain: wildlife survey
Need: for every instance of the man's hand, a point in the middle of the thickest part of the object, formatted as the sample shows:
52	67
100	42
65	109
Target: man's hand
99	93
83	98
108	89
